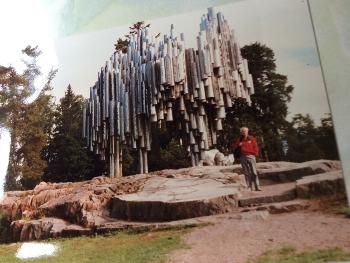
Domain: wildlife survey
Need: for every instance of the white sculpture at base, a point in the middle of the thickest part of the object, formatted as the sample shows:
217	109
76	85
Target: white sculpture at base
215	157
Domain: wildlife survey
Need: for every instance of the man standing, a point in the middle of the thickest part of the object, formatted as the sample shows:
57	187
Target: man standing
248	149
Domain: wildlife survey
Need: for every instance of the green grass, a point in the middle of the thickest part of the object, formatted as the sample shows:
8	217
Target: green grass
122	247
344	211
289	254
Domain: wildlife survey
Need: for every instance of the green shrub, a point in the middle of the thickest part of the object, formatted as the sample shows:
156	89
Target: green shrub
4	228
344	211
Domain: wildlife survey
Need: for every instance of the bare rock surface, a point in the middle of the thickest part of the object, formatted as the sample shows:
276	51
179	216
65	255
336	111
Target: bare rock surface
270	194
330	183
74	202
290	172
104	204
43	228
165	199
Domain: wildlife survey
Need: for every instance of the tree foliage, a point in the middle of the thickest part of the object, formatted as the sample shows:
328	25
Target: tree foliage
306	141
28	123
12	95
67	158
326	140
301	139
266	117
122	43
166	153
34	135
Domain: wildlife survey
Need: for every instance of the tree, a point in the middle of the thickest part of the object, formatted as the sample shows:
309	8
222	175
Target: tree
12	93
122	43
11	100
302	139
67	158
23	121
167	153
306	141
35	128
326	139
266	117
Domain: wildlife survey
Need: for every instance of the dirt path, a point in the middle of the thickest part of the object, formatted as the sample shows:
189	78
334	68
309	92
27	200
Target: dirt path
235	240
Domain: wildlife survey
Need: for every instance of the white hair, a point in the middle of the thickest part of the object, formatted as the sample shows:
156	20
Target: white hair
244	128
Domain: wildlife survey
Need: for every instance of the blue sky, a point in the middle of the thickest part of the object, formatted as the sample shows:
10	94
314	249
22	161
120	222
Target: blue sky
306	55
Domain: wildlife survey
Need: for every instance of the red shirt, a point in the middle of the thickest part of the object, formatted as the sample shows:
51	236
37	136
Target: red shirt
249	146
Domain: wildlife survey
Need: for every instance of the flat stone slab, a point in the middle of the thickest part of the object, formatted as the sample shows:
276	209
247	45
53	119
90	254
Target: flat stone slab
330	183
167	199
293	171
269	194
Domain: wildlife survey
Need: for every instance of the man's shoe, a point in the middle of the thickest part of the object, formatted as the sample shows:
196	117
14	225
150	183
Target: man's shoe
258	189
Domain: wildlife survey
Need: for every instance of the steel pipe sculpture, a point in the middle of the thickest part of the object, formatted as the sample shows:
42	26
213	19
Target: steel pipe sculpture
159	81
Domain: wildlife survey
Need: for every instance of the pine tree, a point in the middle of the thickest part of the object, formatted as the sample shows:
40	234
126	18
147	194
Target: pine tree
66	155
266	117
326	140
122	43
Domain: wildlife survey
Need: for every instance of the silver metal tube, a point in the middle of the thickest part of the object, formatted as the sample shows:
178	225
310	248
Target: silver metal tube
157	78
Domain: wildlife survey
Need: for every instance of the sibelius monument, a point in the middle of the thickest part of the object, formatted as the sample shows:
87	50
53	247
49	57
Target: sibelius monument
160	80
